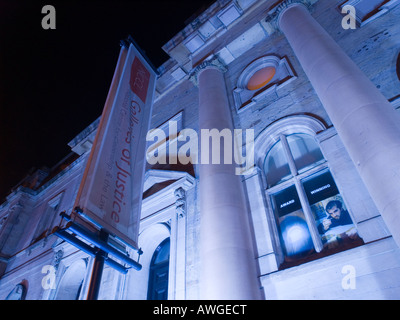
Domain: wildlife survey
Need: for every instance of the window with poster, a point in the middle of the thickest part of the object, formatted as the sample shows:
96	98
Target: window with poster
311	217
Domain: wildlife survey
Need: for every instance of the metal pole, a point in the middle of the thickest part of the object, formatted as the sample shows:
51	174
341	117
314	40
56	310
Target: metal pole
62	234
97	270
101	244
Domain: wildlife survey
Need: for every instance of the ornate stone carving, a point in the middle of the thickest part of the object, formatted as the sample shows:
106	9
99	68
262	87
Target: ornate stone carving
274	15
180	203
57	258
214	62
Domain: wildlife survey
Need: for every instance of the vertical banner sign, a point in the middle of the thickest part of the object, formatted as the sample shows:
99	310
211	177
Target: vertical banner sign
110	193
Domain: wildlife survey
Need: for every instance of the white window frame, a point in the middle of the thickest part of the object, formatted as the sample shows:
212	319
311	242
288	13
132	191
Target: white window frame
296	180
263	144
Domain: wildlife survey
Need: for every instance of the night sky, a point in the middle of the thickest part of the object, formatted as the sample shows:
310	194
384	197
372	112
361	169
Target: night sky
53	83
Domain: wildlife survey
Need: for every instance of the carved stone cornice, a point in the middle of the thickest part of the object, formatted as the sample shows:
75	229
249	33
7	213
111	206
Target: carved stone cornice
213	62
58	255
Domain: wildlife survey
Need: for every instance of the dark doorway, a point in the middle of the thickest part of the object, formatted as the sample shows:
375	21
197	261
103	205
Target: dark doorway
158	277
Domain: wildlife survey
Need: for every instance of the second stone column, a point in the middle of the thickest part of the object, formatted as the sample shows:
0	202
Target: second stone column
227	255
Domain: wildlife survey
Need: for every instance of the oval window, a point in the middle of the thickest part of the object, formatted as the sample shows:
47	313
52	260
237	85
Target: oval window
260	78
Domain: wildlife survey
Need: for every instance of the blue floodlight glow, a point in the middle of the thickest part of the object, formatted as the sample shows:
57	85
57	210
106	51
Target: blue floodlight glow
296	236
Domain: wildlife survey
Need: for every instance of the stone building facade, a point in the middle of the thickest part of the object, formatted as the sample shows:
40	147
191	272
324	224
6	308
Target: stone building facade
320	91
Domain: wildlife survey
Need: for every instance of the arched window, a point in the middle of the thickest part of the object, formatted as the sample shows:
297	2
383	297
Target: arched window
18	293
71	283
159	268
300	149
311	216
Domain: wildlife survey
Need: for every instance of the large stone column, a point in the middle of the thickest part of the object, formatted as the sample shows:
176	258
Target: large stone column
365	121
228	265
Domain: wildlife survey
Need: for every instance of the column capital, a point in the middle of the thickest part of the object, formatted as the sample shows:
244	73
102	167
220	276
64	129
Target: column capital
213	62
275	14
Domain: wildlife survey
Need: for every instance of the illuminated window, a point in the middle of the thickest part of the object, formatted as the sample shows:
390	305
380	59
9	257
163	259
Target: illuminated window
276	167
311	216
261	78
300	148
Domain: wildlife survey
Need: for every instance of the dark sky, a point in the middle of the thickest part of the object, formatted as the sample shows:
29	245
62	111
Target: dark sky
53	83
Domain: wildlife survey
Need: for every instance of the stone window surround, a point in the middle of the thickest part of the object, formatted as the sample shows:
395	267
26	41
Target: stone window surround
245	98
263	143
364	213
